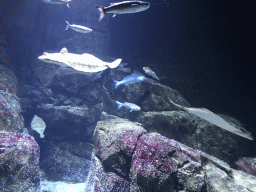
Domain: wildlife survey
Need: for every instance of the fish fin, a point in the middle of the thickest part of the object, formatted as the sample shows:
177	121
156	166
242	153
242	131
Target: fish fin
67	5
116	83
131	110
119	105
102	11
114	64
114	15
68	25
64	50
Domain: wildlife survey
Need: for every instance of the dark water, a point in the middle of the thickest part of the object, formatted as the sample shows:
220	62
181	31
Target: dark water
206	46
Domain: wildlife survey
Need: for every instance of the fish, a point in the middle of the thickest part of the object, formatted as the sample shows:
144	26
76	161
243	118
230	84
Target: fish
215	119
134	78
131	106
123	7
58	2
80	62
38	125
78	28
150	72
33	93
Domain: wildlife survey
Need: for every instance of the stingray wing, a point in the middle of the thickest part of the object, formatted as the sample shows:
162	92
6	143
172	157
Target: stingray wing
217	120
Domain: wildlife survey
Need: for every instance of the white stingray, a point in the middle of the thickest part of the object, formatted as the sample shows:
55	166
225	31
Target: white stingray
80	62
215	119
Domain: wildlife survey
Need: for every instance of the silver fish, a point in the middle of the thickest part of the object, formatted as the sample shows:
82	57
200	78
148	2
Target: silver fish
150	72
78	28
58	2
127	105
129	79
123	7
80	62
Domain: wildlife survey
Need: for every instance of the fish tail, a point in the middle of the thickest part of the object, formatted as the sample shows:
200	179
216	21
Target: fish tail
119	105
116	83
68	25
102	11
115	63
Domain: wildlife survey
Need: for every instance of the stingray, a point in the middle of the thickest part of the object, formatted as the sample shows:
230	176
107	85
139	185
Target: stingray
215	119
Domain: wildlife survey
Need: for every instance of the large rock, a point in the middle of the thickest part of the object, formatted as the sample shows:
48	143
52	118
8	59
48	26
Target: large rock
115	146
10	118
8	80
198	133
66	161
19	163
101	179
157	164
68	86
45	72
68	122
161	164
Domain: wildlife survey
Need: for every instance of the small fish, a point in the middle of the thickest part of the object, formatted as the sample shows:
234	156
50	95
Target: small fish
78	28
150	72
130	79
58	2
80	62
38	125
127	105
123	7
34	93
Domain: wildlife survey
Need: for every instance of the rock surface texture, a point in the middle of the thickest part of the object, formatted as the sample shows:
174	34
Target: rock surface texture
127	158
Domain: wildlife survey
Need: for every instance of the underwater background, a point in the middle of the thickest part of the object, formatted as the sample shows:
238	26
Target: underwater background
202	50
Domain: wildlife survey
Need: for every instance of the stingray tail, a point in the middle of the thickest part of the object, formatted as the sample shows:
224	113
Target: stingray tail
115	63
102	11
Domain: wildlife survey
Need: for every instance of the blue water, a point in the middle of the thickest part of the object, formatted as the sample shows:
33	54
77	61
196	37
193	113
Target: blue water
205	50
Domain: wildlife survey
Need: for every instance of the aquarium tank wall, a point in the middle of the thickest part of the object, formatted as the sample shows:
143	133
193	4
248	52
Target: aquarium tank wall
131	96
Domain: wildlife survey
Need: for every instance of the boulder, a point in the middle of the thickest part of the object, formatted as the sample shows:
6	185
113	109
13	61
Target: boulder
156	163
198	133
68	122
115	146
66	161
11	119
19	163
8	80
